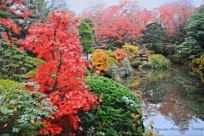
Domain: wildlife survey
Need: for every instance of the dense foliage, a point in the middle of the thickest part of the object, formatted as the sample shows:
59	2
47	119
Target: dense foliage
154	34
118	113
188	50
61	75
158	61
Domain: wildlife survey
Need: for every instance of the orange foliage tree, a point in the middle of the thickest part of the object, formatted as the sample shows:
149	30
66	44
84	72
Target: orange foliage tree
100	60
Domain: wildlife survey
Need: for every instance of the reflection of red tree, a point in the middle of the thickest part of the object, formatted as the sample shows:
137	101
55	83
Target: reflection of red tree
176	109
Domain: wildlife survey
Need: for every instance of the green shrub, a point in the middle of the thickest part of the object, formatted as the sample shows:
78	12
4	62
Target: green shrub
118	113
37	61
15	63
157	48
188	50
121	71
158	61
125	69
5	14
30	73
157	75
169	50
87	71
113	71
21	111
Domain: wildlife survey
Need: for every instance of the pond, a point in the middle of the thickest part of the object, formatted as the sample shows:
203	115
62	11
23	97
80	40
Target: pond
173	99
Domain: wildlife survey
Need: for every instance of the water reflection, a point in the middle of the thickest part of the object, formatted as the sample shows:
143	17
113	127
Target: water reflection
173	98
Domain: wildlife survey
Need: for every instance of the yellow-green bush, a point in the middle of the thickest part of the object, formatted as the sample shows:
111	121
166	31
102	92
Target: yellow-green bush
198	66
8	84
129	47
30	73
158	61
131	50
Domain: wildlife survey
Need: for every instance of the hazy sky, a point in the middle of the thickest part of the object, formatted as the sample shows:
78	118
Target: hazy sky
79	5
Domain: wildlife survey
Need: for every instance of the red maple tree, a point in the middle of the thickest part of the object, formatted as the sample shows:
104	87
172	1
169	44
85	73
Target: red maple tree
61	77
119	23
175	15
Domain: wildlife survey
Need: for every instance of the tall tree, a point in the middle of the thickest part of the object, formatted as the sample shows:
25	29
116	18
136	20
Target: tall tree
174	17
89	21
120	23
61	77
86	36
154	33
195	28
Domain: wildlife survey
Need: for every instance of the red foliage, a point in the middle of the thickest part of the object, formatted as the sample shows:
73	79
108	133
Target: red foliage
10	24
120	54
61	76
174	15
13	1
20	11
4	35
17	9
125	22
121	23
2	6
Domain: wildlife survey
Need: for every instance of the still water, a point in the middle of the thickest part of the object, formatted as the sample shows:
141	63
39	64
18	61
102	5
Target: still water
174	100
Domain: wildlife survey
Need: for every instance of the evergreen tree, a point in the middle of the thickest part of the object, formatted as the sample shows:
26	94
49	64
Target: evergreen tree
195	28
154	33
86	36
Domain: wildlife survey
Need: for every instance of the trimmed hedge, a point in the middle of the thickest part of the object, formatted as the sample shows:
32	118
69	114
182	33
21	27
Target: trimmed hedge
118	113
